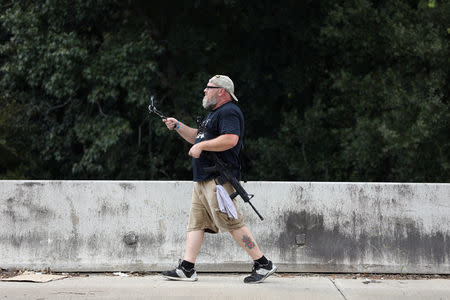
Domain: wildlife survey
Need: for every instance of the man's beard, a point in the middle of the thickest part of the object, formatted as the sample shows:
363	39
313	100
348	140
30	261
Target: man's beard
209	104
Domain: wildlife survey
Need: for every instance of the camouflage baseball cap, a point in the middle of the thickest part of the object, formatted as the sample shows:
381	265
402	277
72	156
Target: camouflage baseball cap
225	82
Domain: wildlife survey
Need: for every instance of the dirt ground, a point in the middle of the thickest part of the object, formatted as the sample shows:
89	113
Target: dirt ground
379	276
14	272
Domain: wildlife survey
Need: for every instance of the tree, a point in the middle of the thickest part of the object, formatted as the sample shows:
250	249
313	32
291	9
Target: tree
331	90
80	72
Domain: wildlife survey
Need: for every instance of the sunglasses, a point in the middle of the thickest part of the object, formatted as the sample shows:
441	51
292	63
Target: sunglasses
213	87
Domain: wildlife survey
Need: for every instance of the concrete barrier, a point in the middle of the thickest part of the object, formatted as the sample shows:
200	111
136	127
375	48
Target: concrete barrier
308	227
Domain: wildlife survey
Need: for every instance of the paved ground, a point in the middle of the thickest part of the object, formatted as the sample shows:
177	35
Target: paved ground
227	286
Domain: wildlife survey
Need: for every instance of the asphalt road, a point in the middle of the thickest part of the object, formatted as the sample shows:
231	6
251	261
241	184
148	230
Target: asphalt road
226	286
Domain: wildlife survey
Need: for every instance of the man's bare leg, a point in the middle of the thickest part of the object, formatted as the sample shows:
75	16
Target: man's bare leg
194	240
245	238
262	267
185	270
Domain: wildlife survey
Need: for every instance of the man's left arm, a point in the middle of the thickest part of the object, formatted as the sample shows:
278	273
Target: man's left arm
218	144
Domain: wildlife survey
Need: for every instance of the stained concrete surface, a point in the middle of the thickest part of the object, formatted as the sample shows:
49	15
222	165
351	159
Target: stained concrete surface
104	226
394	289
226	286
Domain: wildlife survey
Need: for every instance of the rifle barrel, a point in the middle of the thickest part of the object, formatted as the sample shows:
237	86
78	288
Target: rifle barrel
259	215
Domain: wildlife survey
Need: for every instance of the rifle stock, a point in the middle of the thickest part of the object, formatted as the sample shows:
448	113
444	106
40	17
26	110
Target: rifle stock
225	175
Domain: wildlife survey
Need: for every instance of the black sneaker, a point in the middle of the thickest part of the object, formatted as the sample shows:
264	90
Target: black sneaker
180	273
260	272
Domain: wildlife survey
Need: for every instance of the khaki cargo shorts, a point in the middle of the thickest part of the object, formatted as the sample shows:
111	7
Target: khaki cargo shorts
205	213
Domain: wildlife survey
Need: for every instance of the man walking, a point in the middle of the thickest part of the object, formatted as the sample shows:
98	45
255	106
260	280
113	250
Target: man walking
220	132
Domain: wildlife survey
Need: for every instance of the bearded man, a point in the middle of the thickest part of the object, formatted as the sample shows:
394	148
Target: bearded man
220	132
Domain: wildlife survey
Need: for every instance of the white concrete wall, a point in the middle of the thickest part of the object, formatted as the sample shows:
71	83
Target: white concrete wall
345	227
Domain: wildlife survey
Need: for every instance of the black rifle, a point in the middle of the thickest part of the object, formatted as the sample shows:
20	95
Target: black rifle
225	175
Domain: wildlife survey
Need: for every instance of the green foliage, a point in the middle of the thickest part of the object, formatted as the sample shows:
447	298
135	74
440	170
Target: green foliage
331	90
81	72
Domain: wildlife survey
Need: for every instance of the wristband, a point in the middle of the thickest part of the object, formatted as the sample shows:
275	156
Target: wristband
178	126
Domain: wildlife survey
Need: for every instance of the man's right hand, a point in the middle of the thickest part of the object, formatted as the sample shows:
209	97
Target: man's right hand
186	132
171	123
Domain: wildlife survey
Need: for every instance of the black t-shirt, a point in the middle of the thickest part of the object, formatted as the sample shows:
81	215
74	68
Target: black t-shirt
227	119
